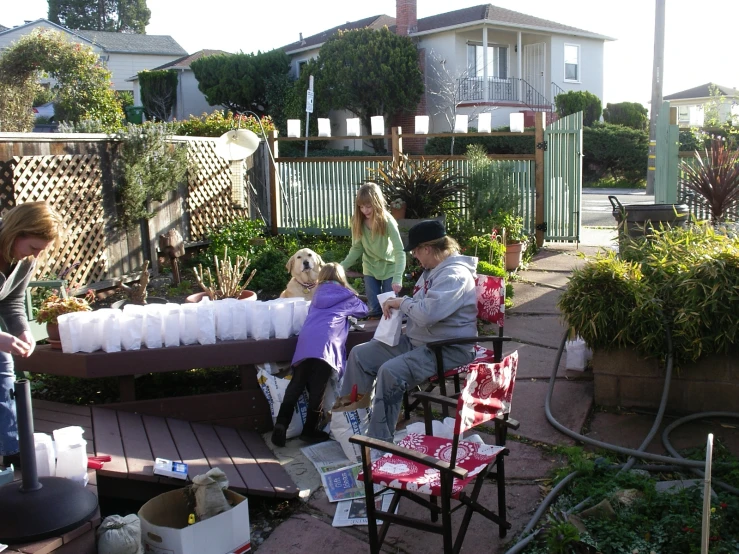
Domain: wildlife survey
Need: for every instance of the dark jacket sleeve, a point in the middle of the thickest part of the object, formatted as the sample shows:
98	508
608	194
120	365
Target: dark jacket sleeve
12	309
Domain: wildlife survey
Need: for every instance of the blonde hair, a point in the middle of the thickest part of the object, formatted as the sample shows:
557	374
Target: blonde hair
442	248
334	272
369	194
30	219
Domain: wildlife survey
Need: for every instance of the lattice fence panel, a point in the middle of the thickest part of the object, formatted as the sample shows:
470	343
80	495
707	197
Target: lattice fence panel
209	191
72	185
7	199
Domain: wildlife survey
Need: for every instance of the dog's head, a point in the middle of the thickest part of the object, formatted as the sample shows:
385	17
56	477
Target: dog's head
304	265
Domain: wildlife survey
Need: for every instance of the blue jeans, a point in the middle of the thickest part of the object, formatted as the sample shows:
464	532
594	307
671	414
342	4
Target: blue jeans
8	419
373	287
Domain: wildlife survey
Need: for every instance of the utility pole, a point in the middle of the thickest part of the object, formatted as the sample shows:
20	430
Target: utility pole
657	79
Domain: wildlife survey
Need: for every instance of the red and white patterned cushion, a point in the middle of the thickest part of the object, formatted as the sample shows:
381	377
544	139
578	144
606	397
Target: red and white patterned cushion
482	356
490	298
400	473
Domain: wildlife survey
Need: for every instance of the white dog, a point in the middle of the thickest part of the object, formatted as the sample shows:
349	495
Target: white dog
304	267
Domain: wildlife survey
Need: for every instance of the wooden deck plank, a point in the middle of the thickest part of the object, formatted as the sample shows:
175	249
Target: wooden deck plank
188	447
281	481
136	447
160	439
255	480
63	419
108	442
217	455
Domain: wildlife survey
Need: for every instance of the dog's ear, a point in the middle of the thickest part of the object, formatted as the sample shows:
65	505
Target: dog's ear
319	260
289	264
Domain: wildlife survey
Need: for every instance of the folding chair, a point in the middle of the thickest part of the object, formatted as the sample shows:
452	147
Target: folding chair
424	465
490	308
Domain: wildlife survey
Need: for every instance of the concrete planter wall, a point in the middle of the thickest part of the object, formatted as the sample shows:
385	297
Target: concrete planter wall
622	378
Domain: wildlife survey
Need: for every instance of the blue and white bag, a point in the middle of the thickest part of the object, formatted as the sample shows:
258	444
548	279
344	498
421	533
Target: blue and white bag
350	418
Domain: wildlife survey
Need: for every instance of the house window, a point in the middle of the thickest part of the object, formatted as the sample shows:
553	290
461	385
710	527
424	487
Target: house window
572	62
683	115
497	61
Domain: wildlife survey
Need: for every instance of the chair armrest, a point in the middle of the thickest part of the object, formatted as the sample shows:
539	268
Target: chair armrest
393	448
512	423
465	340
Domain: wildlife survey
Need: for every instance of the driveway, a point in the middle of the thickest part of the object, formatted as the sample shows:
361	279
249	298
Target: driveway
597	210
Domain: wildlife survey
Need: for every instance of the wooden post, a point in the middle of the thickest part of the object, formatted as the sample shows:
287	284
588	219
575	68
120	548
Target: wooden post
275	203
539	175
397	141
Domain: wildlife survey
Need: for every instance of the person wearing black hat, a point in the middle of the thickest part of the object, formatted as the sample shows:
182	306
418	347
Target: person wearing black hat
443	306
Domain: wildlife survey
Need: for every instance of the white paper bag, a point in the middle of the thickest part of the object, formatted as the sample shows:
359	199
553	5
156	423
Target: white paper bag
171	325
300	312
69	332
206	322
189	323
281	314
240	312
153	316
132	327
388	330
350	418
260	322
90	336
274	388
578	355
110	326
225	318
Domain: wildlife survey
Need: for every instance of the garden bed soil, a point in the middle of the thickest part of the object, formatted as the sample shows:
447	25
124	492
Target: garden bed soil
623	378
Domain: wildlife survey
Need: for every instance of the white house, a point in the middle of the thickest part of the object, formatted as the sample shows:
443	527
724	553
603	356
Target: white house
503	61
190	101
691	104
125	54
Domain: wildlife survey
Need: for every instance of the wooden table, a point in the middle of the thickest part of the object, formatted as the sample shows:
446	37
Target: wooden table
246	408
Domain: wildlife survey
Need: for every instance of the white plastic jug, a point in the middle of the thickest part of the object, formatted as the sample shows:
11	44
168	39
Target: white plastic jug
71	454
45	456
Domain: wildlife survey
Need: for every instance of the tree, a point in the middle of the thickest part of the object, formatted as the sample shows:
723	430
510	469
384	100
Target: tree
239	82
83	84
369	73
158	92
575	101
122	16
629	114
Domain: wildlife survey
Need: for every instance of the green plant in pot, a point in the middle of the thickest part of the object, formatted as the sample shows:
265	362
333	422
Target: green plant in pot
510	229
425	186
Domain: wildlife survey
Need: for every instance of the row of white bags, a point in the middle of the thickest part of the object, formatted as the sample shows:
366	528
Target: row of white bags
166	325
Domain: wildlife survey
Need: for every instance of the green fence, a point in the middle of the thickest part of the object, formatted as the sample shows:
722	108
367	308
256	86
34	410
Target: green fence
318	195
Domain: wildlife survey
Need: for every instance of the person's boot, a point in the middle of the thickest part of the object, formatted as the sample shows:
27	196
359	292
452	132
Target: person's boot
279	434
310	432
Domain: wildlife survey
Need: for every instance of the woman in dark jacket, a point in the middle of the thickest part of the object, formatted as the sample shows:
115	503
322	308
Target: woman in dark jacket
321	351
25	232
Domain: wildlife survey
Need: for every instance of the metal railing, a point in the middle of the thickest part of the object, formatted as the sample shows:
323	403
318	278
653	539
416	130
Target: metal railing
504	90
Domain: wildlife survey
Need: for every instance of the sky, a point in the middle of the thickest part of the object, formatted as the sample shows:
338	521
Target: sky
699	36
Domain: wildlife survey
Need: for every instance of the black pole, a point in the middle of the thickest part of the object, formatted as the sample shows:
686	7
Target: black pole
25	435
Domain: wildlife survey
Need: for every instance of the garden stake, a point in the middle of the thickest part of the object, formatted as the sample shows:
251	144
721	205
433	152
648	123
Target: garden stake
705	534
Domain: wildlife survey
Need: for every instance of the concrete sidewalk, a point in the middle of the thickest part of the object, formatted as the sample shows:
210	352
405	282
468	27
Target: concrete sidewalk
535	325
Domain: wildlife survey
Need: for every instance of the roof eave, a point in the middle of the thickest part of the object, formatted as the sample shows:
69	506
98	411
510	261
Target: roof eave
305	48
479	22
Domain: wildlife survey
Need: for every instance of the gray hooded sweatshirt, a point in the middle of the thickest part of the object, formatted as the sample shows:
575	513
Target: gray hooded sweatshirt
444	302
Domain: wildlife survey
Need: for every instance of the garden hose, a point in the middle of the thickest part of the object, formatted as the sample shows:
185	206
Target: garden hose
676	461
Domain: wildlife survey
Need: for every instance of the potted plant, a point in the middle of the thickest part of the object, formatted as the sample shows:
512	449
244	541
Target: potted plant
54	306
510	229
397	208
227	283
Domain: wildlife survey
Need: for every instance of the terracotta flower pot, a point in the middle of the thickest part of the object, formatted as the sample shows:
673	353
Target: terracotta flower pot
513	255
399	213
52	330
198	296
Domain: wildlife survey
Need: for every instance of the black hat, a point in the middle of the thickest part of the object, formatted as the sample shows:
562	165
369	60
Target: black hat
424	232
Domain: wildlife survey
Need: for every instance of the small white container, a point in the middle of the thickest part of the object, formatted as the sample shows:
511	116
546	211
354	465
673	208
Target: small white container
71	454
45	456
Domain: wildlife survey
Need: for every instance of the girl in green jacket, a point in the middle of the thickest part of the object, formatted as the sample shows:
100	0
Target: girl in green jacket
376	239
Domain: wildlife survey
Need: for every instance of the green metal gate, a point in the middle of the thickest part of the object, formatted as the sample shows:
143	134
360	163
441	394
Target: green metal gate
563	178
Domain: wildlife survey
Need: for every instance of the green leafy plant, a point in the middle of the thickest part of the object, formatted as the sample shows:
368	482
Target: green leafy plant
628	114
490	188
511	226
579	100
158	92
714	175
614	151
424	185
217	123
54	306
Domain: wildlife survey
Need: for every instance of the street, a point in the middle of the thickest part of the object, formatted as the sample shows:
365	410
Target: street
597	210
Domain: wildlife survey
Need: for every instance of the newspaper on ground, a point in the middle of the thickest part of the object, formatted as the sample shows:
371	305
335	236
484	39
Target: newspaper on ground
326	456
354	512
342	483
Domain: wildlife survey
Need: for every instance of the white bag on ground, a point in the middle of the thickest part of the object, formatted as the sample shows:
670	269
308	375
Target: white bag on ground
45	455
578	354
206	322
260	321
350	418
189	323
274	388
120	535
388	330
71	454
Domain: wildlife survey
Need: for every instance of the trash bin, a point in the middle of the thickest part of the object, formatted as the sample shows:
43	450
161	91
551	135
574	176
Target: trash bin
134	114
641	219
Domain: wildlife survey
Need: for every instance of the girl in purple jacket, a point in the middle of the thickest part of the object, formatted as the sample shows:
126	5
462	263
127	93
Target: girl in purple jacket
321	350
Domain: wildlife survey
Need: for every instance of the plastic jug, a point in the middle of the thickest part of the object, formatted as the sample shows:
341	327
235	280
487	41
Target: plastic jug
45	455
71	454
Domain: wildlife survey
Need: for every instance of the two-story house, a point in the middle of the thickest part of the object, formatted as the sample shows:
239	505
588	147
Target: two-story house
125	54
502	61
693	103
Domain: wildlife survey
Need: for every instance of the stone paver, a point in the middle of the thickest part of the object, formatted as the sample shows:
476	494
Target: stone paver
305	533
551	279
542	330
534	362
533	299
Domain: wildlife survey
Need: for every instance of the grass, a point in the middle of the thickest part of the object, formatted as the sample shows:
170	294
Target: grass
613	183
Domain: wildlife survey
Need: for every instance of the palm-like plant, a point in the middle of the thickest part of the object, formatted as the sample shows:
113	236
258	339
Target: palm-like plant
424	185
715	177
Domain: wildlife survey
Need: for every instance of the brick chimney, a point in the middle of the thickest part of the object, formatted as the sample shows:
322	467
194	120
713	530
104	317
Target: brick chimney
406	19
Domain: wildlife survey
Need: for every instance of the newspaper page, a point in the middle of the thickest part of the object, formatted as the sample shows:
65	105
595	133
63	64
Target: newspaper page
326	456
342	483
354	512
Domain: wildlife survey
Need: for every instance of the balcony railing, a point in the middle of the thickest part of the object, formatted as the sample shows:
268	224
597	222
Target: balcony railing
503	90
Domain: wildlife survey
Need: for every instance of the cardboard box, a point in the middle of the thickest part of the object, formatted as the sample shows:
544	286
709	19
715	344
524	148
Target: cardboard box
164	528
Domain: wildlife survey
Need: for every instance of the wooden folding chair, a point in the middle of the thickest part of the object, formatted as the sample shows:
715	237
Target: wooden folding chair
424	468
491	308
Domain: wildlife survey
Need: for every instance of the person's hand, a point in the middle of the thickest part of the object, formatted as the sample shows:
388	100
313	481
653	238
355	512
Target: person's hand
391	304
27	337
14	345
397	287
